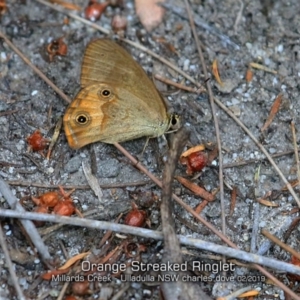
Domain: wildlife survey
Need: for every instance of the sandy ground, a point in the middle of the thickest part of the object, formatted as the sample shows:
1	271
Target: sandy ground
264	32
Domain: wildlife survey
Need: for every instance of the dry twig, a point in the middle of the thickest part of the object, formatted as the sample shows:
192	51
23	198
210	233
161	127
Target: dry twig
157	235
172	254
10	266
28	225
274	110
213	110
296	150
280	243
239	17
76	187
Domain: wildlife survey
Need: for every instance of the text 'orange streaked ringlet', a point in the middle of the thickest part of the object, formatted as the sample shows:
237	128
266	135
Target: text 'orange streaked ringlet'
117	101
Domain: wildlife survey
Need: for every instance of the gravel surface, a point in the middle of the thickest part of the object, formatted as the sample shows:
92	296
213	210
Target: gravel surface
267	33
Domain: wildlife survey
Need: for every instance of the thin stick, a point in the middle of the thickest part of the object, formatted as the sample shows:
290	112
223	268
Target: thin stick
179	85
77	187
255	227
8	112
233	200
296	149
156	235
258	160
277	241
172	253
63	290
28	225
239	17
214	113
256	211
10	266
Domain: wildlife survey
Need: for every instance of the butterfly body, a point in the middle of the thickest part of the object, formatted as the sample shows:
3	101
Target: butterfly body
117	101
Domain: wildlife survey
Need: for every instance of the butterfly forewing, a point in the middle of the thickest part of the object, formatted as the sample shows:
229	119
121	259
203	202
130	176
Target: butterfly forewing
106	62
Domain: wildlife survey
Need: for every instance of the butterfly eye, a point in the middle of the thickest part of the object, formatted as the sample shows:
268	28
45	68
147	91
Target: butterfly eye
82	118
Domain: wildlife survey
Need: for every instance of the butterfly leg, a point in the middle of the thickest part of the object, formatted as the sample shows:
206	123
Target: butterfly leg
144	148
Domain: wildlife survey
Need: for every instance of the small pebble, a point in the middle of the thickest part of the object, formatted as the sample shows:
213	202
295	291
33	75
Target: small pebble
50	170
186	65
279	48
3	56
245	237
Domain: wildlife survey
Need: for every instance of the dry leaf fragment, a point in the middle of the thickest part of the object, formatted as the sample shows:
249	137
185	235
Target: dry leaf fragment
73	260
215	71
199	191
192	150
295	261
92	181
149	13
249	75
54	137
274	110
67	5
233	200
201	206
251	293
267	203
293	183
166	44
262	67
